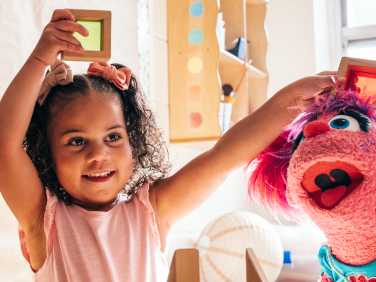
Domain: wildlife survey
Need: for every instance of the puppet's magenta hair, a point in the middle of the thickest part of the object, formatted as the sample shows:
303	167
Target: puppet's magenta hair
267	181
268	171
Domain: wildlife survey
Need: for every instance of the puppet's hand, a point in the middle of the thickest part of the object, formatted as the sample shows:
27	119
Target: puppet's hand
56	37
306	89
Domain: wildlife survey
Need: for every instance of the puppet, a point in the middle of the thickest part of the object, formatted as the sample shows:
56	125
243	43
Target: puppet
324	166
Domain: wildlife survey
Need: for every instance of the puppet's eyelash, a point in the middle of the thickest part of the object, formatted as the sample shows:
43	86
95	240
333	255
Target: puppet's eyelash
297	141
364	122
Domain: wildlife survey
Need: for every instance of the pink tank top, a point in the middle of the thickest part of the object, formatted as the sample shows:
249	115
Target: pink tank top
119	245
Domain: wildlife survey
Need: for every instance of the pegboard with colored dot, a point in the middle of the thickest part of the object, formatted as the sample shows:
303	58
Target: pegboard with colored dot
198	68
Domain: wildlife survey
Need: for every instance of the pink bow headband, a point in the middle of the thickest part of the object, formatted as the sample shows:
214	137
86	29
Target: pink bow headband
62	74
120	77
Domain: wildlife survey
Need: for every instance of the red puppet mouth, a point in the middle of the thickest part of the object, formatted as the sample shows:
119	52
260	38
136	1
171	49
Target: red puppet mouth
328	183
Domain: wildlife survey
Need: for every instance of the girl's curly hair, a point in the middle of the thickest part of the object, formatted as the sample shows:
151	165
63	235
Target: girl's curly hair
149	151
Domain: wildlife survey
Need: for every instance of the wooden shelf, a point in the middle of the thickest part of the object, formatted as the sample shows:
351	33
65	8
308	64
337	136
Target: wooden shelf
227	58
255	2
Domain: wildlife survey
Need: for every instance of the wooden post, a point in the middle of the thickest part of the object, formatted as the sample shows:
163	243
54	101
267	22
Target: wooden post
185	266
253	268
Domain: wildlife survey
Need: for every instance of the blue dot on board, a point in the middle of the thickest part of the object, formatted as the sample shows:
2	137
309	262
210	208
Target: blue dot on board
196	9
196	36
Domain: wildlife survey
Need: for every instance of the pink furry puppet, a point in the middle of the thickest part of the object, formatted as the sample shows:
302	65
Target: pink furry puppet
324	167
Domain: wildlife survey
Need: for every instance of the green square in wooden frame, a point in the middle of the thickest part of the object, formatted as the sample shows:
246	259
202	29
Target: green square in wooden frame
93	42
98	44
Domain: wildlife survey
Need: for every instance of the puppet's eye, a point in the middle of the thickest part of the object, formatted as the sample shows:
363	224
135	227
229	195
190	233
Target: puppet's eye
344	122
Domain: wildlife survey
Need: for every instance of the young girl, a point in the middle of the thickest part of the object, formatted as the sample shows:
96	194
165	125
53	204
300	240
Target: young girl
71	164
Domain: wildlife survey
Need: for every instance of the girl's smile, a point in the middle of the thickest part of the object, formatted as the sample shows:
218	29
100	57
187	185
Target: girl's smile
99	177
91	153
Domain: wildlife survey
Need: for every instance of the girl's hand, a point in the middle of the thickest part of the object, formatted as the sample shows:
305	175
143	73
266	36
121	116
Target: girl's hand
56	37
306	89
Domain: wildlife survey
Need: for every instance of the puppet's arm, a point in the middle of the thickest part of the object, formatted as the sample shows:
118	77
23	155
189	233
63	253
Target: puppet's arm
175	197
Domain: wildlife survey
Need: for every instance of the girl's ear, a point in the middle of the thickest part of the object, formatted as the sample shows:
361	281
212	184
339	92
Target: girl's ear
267	177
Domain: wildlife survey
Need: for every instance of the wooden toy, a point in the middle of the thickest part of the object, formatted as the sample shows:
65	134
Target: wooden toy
253	268
98	44
360	75
185	267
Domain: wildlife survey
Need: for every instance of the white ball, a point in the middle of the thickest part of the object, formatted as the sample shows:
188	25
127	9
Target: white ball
223	242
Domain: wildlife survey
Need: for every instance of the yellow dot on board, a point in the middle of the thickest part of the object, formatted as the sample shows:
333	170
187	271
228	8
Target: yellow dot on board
195	65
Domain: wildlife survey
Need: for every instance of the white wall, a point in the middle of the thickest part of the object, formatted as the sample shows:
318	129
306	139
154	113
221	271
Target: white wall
22	23
291	52
328	34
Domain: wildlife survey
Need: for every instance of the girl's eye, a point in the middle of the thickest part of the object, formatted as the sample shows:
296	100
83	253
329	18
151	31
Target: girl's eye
113	137
77	142
344	122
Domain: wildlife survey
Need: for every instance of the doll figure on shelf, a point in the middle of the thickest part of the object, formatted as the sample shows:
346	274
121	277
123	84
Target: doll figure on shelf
323	166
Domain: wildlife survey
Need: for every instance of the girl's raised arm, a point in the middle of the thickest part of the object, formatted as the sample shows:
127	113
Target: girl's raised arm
20	185
180	194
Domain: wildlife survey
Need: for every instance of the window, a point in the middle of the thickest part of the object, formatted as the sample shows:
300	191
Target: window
359	28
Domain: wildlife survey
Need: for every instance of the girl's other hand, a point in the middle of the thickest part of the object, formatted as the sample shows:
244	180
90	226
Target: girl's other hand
306	89
57	37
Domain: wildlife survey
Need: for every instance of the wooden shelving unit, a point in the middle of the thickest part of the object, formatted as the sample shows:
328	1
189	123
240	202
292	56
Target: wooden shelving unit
194	117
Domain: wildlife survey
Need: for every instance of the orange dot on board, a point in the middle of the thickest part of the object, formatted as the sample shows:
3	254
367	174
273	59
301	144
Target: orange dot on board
194	119
194	93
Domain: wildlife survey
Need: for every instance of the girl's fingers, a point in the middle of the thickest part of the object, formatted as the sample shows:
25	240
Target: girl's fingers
321	84
330	80
327	73
65	36
71	27
62	14
70	47
341	80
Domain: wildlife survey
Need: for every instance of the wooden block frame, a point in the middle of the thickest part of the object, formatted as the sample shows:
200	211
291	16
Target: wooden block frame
93	56
359	67
185	267
253	268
